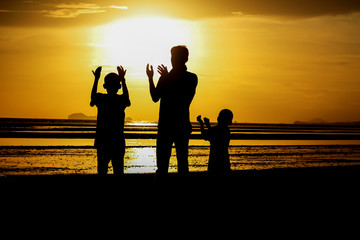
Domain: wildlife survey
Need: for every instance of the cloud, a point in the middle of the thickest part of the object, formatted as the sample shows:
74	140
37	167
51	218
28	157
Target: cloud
119	7
297	8
19	12
73	10
55	12
280	8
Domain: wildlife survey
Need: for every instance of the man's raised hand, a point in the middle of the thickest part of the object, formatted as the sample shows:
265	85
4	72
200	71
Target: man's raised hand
149	71
162	70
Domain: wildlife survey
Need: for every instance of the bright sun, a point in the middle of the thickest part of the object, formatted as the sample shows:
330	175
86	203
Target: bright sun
135	42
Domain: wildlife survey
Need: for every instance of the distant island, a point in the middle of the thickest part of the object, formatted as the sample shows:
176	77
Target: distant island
313	121
81	116
321	121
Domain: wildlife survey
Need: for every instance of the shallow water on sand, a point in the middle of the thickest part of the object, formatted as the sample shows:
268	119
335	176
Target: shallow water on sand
140	157
50	146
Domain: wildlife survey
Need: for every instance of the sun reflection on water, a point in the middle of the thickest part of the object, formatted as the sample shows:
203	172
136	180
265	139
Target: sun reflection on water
140	160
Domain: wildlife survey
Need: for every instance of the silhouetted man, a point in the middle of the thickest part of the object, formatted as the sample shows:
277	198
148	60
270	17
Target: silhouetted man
175	90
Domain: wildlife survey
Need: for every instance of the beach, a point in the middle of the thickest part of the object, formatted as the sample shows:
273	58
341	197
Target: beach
56	147
275	83
271	177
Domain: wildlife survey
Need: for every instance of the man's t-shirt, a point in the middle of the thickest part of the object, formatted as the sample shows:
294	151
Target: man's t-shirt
176	91
110	118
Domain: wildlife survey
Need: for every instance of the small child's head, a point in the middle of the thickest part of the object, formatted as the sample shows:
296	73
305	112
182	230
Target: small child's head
112	83
225	117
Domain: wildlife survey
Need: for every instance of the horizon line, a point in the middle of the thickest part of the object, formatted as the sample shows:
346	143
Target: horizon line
155	121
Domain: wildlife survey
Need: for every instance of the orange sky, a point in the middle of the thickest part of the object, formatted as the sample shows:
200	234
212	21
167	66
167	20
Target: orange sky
268	62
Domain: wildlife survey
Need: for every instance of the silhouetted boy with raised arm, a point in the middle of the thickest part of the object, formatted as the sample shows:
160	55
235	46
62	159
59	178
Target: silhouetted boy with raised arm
219	137
175	90
109	138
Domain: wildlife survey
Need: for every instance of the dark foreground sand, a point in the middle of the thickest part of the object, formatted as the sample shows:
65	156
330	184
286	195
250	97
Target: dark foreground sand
282	198
321	183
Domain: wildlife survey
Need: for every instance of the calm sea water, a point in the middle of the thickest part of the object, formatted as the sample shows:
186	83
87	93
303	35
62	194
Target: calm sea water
36	146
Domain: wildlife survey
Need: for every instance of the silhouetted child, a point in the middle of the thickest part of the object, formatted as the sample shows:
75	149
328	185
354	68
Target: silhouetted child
109	138
219	137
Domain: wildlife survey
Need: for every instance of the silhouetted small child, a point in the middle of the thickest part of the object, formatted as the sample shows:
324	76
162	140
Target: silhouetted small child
109	138
219	137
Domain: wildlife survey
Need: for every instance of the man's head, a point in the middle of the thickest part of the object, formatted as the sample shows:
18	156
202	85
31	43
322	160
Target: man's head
112	83
179	56
225	117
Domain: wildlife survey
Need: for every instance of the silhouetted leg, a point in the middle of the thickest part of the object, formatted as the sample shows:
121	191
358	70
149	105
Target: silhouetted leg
118	159
182	152
103	159
163	152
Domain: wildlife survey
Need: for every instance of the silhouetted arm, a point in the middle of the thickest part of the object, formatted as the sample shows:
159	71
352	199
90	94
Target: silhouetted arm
207	123
204	133
94	88
201	123
125	92
122	73
193	88
153	92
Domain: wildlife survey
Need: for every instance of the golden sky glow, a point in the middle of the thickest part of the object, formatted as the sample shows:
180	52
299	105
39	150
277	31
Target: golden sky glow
265	62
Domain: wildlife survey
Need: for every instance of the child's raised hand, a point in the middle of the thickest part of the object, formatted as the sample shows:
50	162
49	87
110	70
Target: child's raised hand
149	71
121	72
97	73
207	121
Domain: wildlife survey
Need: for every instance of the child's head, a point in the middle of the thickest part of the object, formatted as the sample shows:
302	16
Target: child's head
225	117
112	83
179	55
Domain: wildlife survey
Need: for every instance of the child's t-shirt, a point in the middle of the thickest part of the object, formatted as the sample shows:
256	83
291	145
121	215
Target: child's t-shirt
219	161
110	118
